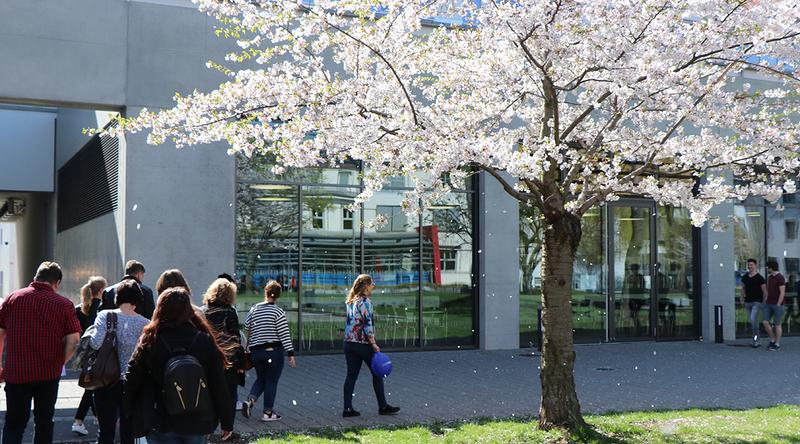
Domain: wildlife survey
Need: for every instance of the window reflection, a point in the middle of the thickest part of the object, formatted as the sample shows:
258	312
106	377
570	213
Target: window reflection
391	256
299	228
330	264
748	237
267	249
588	290
448	305
783	246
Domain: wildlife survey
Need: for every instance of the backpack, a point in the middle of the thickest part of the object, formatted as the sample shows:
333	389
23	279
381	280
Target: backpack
185	384
100	368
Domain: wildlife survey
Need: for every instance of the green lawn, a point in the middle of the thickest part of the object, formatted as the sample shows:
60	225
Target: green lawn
779	424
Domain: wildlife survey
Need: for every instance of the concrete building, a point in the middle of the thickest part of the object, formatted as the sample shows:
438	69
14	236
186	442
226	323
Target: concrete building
463	275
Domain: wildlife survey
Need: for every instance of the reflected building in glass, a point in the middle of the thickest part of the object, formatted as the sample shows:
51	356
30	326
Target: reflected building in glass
635	276
302	230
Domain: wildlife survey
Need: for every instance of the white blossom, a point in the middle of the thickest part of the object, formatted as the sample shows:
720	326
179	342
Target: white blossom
579	102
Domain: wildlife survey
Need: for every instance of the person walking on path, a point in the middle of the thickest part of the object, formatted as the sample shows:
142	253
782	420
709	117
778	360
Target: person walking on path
91	298
360	344
133	270
754	291
267	339
129	326
177	326
39	332
773	305
220	313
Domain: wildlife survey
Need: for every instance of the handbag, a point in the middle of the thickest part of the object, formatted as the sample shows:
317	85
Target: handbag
248	363
101	367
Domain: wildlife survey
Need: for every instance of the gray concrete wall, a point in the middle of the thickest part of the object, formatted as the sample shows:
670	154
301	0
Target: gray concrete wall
115	54
94	247
90	249
179	211
168	47
26	150
717	267
69	52
498	244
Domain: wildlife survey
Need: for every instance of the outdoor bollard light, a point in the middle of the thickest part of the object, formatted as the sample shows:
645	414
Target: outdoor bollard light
718	324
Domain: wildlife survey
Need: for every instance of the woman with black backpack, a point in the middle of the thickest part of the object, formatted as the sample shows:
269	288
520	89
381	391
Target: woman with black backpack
176	377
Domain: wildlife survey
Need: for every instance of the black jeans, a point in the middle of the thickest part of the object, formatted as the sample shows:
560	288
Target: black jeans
87	402
18	411
108	406
355	353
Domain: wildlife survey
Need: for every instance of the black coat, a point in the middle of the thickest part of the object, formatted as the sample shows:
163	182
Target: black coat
225	322
147	372
145	309
87	320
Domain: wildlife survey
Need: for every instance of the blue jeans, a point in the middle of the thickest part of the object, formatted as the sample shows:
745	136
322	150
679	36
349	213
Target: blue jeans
268	364
771	310
174	438
355	354
752	309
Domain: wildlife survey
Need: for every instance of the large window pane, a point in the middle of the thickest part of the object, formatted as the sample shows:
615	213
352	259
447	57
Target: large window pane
632	271
748	238
783	247
674	274
266	246
331	249
531	242
391	256
588	281
447	275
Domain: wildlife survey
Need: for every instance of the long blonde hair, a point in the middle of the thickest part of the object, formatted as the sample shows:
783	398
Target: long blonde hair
359	285
95	284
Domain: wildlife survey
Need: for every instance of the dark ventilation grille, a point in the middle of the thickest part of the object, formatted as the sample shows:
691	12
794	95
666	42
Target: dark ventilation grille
87	183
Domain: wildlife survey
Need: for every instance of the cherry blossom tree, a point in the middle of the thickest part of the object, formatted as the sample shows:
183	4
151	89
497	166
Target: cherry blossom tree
567	103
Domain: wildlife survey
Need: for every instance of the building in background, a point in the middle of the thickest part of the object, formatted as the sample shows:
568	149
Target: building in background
463	273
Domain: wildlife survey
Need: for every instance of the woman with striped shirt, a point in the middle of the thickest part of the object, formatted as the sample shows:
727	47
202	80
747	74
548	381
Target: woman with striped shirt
267	338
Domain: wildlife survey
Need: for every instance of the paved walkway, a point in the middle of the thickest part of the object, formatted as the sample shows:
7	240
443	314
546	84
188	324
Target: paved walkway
463	384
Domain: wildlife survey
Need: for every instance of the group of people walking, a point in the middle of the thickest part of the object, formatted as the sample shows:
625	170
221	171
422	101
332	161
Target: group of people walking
180	366
764	296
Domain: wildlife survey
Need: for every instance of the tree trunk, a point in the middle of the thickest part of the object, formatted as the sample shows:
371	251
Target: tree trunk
560	407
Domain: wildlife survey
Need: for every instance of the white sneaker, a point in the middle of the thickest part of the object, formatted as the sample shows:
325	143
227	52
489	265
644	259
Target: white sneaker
80	429
271	417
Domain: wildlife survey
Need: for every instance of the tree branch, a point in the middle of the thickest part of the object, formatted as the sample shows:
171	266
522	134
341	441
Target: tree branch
380	56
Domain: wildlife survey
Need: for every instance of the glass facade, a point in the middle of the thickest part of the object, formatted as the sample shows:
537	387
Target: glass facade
769	233
301	229
588	280
633	276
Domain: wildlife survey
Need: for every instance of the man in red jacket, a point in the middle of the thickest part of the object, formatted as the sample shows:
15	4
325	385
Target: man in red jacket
40	331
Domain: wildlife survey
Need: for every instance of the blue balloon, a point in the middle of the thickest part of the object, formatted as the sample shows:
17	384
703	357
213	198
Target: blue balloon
381	364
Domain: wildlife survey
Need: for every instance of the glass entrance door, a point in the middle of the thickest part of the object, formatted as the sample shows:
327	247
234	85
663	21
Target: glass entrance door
651	265
631	265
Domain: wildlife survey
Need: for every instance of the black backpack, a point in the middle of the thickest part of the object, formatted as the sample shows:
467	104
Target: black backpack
185	383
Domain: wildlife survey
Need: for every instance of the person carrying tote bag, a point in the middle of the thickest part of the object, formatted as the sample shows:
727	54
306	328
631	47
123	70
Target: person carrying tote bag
101	367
